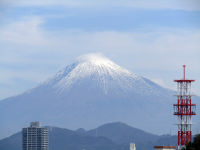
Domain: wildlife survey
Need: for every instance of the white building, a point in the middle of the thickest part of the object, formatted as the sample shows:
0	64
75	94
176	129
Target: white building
35	137
132	146
164	147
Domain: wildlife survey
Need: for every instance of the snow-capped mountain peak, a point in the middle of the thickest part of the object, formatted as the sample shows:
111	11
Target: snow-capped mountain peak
94	68
95	71
97	62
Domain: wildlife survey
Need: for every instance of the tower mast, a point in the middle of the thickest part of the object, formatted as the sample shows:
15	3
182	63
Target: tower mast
184	110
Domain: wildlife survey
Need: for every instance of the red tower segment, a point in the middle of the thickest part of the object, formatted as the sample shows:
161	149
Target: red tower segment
184	109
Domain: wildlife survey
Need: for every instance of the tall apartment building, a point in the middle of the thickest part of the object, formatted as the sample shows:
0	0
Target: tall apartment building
35	137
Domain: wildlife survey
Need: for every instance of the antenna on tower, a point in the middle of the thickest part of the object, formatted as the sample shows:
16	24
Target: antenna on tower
184	71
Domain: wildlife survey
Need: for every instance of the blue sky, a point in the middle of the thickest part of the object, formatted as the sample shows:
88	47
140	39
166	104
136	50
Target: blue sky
150	38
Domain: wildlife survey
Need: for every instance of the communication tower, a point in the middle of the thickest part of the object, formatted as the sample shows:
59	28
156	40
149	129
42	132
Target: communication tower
184	110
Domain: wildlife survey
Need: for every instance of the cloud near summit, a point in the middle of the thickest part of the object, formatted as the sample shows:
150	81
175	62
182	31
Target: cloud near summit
150	38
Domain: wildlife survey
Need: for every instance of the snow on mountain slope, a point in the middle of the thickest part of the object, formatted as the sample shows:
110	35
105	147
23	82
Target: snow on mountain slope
91	91
105	73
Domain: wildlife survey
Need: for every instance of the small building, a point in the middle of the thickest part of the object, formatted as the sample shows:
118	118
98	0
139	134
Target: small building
132	146
164	147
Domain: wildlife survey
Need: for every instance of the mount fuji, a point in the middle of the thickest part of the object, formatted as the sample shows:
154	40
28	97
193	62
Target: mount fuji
91	91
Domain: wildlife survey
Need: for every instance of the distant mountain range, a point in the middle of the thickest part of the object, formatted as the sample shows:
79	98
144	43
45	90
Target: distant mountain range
91	91
112	136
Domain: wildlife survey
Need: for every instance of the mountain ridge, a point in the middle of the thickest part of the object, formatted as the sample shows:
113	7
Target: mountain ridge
94	98
62	138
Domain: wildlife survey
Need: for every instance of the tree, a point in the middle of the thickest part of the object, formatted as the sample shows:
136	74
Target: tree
195	145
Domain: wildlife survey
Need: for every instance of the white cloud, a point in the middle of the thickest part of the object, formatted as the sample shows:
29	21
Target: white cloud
147	4
24	43
25	31
27	36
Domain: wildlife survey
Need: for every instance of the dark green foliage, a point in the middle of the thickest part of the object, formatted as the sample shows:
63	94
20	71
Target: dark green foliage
195	145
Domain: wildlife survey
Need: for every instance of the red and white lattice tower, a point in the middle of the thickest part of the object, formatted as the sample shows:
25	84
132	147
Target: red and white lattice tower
184	110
